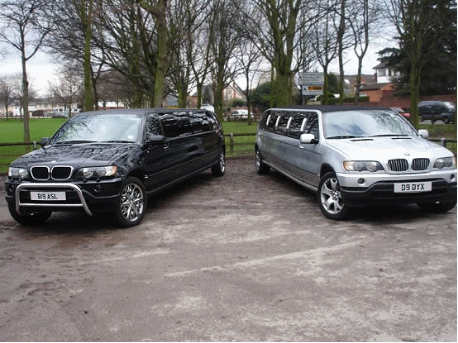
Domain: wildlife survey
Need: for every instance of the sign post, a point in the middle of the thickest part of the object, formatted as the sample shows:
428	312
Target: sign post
311	83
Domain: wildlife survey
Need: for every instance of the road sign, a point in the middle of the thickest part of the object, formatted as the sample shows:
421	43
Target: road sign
310	79
312	90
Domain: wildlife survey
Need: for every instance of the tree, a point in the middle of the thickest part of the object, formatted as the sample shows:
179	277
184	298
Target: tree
7	91
24	26
68	89
261	97
423	28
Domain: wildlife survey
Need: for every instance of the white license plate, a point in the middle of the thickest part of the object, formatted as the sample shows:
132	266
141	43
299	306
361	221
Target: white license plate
47	196
412	187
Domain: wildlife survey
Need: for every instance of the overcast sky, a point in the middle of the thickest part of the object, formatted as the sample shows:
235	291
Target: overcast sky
41	70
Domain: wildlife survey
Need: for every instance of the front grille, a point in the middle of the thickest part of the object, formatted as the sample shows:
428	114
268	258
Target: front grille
57	173
40	173
398	165
61	173
420	164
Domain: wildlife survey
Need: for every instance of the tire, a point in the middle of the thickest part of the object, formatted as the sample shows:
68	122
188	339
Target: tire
437	207
261	167
220	168
29	219
329	198
132	203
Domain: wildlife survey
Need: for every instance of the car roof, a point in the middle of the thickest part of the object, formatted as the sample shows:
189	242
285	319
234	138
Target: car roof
137	111
330	108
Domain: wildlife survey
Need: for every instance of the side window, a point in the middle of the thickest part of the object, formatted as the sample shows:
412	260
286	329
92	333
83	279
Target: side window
263	121
213	122
198	122
153	126
312	125
283	122
297	125
271	122
175	124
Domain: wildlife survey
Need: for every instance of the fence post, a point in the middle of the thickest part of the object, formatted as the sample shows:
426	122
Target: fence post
34	145
443	142
232	144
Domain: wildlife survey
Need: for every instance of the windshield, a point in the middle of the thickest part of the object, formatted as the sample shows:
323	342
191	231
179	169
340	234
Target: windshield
108	128
365	123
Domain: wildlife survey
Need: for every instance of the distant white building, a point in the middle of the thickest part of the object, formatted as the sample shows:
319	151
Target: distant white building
384	73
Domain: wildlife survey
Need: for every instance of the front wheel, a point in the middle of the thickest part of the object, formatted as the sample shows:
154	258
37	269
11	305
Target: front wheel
437	207
330	199
132	203
220	168
31	219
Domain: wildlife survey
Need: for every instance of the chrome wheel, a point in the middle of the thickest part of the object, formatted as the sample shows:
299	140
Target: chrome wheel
330	199
220	168
132	202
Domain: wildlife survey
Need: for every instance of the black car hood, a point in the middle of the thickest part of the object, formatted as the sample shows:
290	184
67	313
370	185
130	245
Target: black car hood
76	155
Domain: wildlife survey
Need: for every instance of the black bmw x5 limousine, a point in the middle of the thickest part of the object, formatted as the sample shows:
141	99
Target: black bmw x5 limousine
111	161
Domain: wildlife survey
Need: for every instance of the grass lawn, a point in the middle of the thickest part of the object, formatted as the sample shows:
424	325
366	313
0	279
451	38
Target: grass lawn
11	131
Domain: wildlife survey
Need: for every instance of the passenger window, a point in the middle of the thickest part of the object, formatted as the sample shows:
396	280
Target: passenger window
271	122
212	121
264	119
296	125
153	126
282	122
176	124
312	125
198	122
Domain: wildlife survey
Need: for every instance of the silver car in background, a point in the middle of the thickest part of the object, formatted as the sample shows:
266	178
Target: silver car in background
356	156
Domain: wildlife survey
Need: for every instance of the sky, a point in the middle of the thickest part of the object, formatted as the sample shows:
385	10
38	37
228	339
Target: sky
42	70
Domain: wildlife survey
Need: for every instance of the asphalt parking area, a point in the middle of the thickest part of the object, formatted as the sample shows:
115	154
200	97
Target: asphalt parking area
243	257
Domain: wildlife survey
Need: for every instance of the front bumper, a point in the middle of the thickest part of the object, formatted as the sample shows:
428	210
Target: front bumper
88	196
379	189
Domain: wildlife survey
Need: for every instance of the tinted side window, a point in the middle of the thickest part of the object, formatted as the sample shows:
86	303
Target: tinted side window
283	122
263	121
175	124
153	126
296	125
198	122
213	122
312	125
272	122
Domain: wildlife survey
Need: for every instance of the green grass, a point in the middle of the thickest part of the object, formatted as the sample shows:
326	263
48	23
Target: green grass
248	142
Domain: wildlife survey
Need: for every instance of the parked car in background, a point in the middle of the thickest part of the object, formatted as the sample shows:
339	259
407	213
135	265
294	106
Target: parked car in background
58	115
436	110
403	112
355	156
238	115
110	161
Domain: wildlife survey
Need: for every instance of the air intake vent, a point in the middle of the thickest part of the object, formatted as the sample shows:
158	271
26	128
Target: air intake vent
420	164
40	173
398	165
61	173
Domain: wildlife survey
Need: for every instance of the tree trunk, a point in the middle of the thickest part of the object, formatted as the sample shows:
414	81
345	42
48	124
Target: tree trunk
25	98
86	17
162	47
341	33
358	80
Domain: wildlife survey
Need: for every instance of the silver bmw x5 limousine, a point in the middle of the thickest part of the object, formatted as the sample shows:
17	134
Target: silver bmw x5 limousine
356	156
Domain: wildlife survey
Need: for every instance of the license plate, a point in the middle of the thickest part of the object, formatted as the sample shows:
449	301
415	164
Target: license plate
412	187
47	196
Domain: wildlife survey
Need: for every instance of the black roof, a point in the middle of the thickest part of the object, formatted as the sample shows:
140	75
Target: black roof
331	108
136	111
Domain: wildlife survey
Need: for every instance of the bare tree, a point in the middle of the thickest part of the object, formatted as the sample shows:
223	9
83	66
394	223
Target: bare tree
68	89
24	26
7	93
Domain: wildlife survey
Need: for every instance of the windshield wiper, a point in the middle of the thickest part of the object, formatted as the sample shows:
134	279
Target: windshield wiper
117	141
343	137
391	135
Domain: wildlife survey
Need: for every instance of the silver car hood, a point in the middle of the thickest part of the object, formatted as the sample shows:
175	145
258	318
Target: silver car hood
384	148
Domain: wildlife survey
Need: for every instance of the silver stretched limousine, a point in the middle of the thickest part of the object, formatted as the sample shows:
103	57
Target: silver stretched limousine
356	156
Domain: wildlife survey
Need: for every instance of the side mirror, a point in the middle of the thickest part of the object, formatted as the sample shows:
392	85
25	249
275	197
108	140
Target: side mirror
423	133
44	141
308	138
154	139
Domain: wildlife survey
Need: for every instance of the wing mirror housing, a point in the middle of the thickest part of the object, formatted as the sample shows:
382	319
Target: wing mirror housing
154	140
308	138
423	133
44	141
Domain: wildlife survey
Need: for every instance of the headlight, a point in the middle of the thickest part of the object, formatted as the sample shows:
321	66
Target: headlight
445	162
359	166
97	172
17	172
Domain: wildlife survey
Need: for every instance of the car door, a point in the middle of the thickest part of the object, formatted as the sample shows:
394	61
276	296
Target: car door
158	157
311	156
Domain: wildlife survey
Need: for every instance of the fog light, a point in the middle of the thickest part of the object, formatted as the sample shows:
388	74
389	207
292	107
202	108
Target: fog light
361	181
452	177
98	188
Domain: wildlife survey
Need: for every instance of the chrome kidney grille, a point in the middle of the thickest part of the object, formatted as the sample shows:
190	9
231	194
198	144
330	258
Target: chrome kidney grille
42	173
400	165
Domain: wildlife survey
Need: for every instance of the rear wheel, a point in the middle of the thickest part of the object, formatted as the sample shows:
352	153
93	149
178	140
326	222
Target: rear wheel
32	219
330	199
132	203
261	167
437	207
220	168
